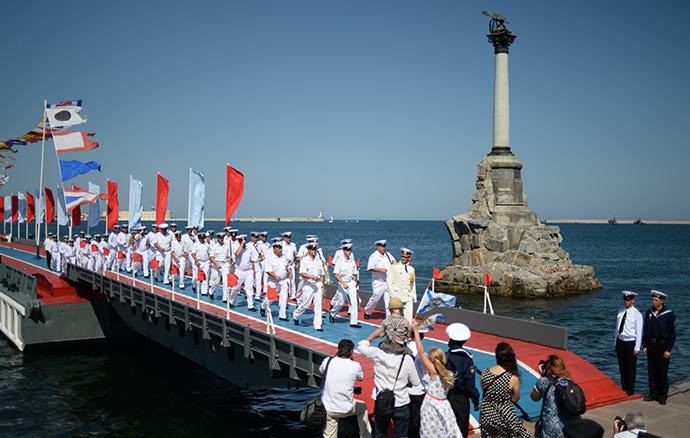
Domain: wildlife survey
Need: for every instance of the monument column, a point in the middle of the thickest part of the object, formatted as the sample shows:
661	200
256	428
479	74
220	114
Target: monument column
501	39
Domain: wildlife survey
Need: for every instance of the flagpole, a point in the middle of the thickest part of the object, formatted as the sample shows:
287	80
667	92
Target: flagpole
107	201
189	200
40	180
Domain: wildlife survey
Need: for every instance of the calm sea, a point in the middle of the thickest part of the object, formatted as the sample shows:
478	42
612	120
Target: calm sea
137	388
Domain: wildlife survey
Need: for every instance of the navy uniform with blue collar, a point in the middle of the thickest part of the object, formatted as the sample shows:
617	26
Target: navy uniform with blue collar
658	338
461	364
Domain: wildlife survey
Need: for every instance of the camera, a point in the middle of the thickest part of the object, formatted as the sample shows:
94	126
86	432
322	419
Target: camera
621	425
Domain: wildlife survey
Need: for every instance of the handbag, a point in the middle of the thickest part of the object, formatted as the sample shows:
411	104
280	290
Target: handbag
385	399
313	414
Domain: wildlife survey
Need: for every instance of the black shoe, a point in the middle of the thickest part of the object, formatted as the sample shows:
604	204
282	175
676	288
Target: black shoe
262	311
230	305
355	326
662	402
331	319
319	330
367	316
629	392
296	321
283	319
252	309
648	398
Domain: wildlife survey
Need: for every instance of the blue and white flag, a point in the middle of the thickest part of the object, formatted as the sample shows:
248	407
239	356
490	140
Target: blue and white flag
62	217
70	169
135	206
433	300
428	324
8	209
197	194
21	210
94	207
75	197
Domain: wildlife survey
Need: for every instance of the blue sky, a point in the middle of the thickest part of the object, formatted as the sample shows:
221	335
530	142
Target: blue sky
362	109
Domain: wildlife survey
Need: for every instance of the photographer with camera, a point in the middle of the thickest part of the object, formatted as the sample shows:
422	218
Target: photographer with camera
630	427
341	372
551	420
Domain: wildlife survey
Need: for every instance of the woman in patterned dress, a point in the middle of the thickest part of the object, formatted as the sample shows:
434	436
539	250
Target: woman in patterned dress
436	416
501	385
553	371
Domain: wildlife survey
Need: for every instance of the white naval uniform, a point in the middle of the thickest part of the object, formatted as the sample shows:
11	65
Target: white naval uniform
122	245
279	267
71	256
163	255
219	275
268	253
201	252
82	253
96	256
112	251
151	237
289	252
244	269
103	247
178	256
188	241
260	274
311	290
401	284
143	251
346	269
379	286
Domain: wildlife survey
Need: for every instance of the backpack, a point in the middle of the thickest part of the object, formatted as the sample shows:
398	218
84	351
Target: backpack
570	399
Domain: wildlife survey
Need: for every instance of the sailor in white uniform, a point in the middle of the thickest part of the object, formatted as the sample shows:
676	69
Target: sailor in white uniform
345	273
339	253
278	277
200	255
104	248
122	246
628	340
301	253
152	236
189	238
290	252
127	265
262	246
220	260
245	259
312	271
141	242
178	256
253	244
112	248
163	246
96	254
379	263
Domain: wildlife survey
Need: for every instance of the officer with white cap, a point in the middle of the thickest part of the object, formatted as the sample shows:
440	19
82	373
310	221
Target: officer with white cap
263	247
200	256
401	282
278	277
345	273
188	240
104	249
380	261
311	269
112	248
339	252
460	363
163	246
96	253
178	256
141	242
245	259
152	236
122	249
290	252
220	259
48	243
253	245
628	340
658	338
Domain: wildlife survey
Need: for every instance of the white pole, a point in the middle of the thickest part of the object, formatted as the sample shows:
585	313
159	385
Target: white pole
173	287
485	294
433	281
40	179
198	297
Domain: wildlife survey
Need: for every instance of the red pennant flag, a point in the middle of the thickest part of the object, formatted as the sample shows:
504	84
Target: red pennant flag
94	247
200	275
330	260
161	198
272	293
76	215
82	244
50	206
113	205
234	189
487	279
15	208
30	207
120	255
437	274
232	280
106	252
174	270
137	258
155	264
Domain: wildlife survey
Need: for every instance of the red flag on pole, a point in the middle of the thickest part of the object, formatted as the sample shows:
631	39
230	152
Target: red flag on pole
113	214
272	293
234	189
161	198
232	280
50	206
15	208
487	279
437	274
76	215
30	207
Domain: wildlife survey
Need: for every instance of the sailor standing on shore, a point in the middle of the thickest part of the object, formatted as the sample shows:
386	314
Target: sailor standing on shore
379	263
628	340
311	269
658	338
290	252
345	273
401	282
278	277
48	248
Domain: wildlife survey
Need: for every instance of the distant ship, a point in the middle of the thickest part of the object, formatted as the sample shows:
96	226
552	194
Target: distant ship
613	221
638	221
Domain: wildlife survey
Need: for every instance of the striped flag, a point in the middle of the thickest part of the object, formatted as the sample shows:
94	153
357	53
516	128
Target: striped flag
75	197
73	141
433	300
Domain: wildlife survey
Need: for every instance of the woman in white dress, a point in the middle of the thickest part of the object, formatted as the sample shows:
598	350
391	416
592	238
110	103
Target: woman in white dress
436	416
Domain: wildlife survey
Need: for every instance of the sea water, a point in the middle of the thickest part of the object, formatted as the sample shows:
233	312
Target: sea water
135	387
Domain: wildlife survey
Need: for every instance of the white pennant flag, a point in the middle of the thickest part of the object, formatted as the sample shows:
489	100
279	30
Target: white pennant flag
135	206
197	194
61	208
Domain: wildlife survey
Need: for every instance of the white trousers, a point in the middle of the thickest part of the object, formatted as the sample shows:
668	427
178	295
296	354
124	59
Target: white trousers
181	265
311	291
407	310
258	280
145	262
218	276
191	264
128	259
165	258
112	258
56	261
339	299
377	291
283	288
203	266
245	278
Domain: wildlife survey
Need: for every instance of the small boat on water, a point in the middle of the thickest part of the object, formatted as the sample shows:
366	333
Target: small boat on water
613	221
638	221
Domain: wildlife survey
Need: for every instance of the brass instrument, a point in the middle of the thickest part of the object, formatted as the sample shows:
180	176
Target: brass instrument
327	276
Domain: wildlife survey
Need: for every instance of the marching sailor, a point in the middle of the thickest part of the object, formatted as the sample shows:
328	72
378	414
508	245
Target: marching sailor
178	256
200	255
96	254
70	254
141	240
121	249
289	252
104	249
312	271
345	273
254	246
263	247
188	240
278	277
163	245
112	248
401	282
126	248
379	263
339	253
628	340
301	253
658	338
219	260
48	244
245	259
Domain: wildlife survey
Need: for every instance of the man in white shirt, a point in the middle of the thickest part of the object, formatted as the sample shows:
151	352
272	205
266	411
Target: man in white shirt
339	253
219	266
122	248
379	263
104	249
178	256
340	374
64	249
290	252
141	242
628	340
48	244
311	269
112	248
245	259
200	255
386	366
278	277
263	247
188	241
163	245
401	282
345	273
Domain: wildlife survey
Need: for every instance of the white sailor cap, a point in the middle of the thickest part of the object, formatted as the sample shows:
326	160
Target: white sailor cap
125	225
96	236
254	233
178	233
173	225
344	241
629	293
154	225
346	246
141	227
312	245
65	237
276	240
241	236
263	233
381	242
286	234
208	234
233	230
658	294
458	332
188	227
277	243
220	235
312	239
406	251
70	240
82	232
88	236
309	236
116	226
163	226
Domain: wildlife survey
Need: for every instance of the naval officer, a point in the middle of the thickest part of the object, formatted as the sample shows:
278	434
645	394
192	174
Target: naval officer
460	363
311	270
345	273
401	282
379	263
277	276
658	338
628	340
